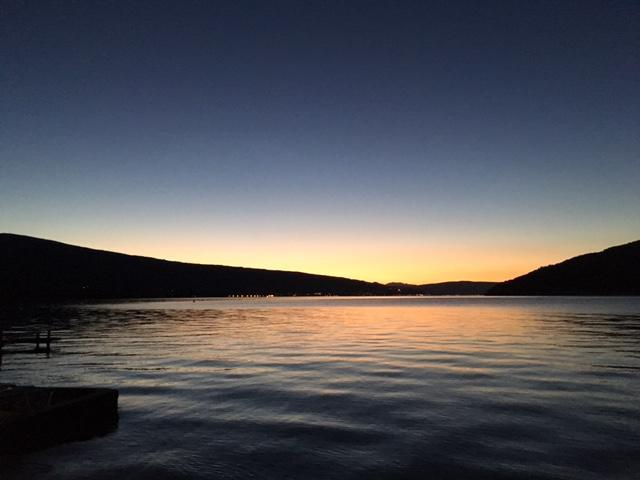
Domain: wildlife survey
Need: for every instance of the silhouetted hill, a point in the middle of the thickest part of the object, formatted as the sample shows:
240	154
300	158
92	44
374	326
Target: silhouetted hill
444	288
32	268
614	271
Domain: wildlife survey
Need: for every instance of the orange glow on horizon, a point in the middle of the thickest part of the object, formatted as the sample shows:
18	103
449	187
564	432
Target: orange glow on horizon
379	260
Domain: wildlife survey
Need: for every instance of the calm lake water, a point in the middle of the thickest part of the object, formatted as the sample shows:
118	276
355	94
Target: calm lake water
348	388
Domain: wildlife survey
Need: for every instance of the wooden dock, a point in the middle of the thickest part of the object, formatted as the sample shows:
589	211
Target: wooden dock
36	417
41	342
25	339
17	340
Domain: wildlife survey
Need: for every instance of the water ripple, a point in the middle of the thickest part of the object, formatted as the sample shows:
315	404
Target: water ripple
348	388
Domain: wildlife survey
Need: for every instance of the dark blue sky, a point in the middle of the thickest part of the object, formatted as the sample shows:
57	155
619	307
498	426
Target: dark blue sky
385	140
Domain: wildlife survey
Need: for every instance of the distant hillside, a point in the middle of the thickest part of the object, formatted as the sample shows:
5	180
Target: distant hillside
614	271
444	288
32	268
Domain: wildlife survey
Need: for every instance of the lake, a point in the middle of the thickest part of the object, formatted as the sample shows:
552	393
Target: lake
348	388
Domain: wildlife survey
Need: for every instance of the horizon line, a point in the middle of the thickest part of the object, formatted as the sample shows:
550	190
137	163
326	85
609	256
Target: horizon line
242	266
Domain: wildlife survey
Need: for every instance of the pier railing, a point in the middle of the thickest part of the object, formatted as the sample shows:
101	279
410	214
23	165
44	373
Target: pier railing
25	339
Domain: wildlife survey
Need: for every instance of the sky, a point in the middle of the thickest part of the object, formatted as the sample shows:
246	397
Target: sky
381	140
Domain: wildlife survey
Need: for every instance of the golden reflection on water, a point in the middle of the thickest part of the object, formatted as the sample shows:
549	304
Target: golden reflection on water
487	387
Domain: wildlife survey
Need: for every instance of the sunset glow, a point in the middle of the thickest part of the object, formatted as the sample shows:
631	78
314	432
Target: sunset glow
364	142
381	260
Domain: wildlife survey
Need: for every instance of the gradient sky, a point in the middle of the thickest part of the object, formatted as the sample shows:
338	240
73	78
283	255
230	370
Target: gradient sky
381	140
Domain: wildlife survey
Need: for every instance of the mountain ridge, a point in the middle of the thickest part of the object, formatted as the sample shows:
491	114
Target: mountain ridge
40	269
34	268
456	287
48	269
612	271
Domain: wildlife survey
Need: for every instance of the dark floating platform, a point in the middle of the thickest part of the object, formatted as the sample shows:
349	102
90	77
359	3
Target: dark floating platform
32	418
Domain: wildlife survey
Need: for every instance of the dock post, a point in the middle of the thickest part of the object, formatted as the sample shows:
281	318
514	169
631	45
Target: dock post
37	340
49	340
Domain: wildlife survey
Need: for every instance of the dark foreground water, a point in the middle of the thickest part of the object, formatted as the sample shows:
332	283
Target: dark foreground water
349	388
